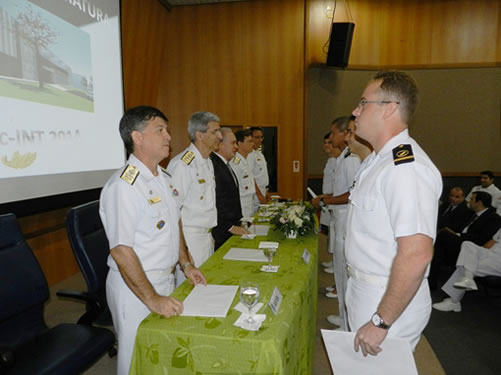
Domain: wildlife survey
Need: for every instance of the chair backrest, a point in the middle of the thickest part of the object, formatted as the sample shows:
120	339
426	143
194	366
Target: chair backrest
23	287
90	245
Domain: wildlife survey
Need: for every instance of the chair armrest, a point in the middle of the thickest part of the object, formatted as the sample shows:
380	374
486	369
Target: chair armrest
6	359
75	294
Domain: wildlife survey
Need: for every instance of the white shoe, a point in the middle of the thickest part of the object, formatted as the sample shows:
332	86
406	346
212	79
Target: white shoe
329	270
330	288
447	305
466	283
327	264
334	319
331	295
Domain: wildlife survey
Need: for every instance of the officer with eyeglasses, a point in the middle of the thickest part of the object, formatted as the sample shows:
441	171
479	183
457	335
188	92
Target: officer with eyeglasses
391	221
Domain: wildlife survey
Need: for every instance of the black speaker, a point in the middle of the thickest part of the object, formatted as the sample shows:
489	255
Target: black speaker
340	44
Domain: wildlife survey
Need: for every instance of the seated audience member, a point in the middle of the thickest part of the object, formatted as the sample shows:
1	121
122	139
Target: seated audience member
243	170
454	214
487	185
473	261
480	229
229	211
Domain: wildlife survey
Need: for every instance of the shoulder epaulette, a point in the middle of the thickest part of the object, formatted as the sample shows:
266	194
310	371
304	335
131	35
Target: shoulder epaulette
130	174
347	154
188	157
403	154
236	160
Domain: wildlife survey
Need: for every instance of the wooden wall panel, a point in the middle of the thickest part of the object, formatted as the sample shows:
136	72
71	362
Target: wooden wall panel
411	33
244	62
143	30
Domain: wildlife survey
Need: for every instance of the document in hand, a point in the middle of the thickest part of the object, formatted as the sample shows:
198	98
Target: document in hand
395	358
209	301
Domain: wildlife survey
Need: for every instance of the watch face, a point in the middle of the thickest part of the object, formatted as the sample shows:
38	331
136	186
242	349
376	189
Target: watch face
376	320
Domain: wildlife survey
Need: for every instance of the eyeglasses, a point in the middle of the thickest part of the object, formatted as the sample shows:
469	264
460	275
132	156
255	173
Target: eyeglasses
363	102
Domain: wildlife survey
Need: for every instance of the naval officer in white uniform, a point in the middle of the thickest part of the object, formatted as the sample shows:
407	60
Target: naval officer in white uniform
259	167
392	220
193	175
141	220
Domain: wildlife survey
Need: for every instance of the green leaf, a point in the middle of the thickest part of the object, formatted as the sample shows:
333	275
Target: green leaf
212	323
179	358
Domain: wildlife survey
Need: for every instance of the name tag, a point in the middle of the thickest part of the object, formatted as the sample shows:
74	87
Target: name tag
275	301
246	176
154	200
306	256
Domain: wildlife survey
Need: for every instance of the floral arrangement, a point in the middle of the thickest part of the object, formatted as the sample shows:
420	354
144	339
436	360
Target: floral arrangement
297	219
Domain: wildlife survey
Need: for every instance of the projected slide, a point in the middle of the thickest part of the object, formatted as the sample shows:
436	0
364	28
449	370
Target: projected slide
60	87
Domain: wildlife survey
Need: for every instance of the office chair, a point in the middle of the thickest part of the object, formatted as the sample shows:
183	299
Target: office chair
90	247
488	284
27	345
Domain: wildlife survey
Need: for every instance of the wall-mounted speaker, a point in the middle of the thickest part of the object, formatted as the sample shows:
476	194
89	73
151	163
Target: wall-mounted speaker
340	44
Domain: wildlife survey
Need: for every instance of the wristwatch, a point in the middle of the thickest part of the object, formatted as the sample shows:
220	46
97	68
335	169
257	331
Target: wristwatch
321	202
379	322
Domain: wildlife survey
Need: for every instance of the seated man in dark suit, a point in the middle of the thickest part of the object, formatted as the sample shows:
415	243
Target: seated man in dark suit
483	224
454	214
229	210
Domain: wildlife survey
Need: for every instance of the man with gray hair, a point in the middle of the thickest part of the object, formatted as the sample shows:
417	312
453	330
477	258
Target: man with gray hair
193	176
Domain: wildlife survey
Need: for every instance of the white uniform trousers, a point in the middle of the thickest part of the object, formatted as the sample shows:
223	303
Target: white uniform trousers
332	235
476	259
339	214
201	246
248	206
362	301
128	311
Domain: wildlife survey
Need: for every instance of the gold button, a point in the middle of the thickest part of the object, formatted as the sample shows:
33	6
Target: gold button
201	197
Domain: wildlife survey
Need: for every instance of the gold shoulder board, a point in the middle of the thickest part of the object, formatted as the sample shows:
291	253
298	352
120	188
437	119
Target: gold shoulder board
188	157
403	154
236	160
130	174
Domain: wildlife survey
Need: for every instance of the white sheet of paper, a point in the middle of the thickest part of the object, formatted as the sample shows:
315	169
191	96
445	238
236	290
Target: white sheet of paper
251	255
395	358
259	230
209	301
268	244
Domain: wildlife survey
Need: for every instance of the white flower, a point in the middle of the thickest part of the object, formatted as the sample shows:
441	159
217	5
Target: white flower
298	222
283	220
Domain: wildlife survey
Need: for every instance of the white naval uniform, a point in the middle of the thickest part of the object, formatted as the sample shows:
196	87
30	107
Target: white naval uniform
476	259
142	215
493	191
390	201
327	182
347	165
194	179
243	171
259	168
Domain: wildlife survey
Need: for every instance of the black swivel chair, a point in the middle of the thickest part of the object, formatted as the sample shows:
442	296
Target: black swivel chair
90	247
27	345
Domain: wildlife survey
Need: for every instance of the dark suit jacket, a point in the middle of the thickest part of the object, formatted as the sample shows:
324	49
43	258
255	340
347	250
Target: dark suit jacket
455	219
229	210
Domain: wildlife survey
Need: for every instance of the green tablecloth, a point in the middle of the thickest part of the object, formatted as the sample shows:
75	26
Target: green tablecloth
283	345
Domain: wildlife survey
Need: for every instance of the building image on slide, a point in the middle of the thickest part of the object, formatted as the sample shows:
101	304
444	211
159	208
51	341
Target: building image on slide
43	58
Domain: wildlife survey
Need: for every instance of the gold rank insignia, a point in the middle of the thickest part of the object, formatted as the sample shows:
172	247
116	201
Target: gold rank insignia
236	160
154	200
403	154
246	176
188	157
201	181
160	224
130	174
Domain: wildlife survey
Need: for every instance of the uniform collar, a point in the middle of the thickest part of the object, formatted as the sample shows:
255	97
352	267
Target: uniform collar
402	137
198	155
143	169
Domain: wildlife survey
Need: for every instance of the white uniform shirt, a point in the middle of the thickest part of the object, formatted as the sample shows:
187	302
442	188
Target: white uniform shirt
390	201
245	177
259	168
328	176
494	192
143	215
347	166
194	179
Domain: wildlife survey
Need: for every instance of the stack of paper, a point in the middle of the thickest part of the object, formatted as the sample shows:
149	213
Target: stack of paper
268	245
209	301
252	255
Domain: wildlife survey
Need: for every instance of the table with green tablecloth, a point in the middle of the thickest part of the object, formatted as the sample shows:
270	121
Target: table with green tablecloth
197	345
